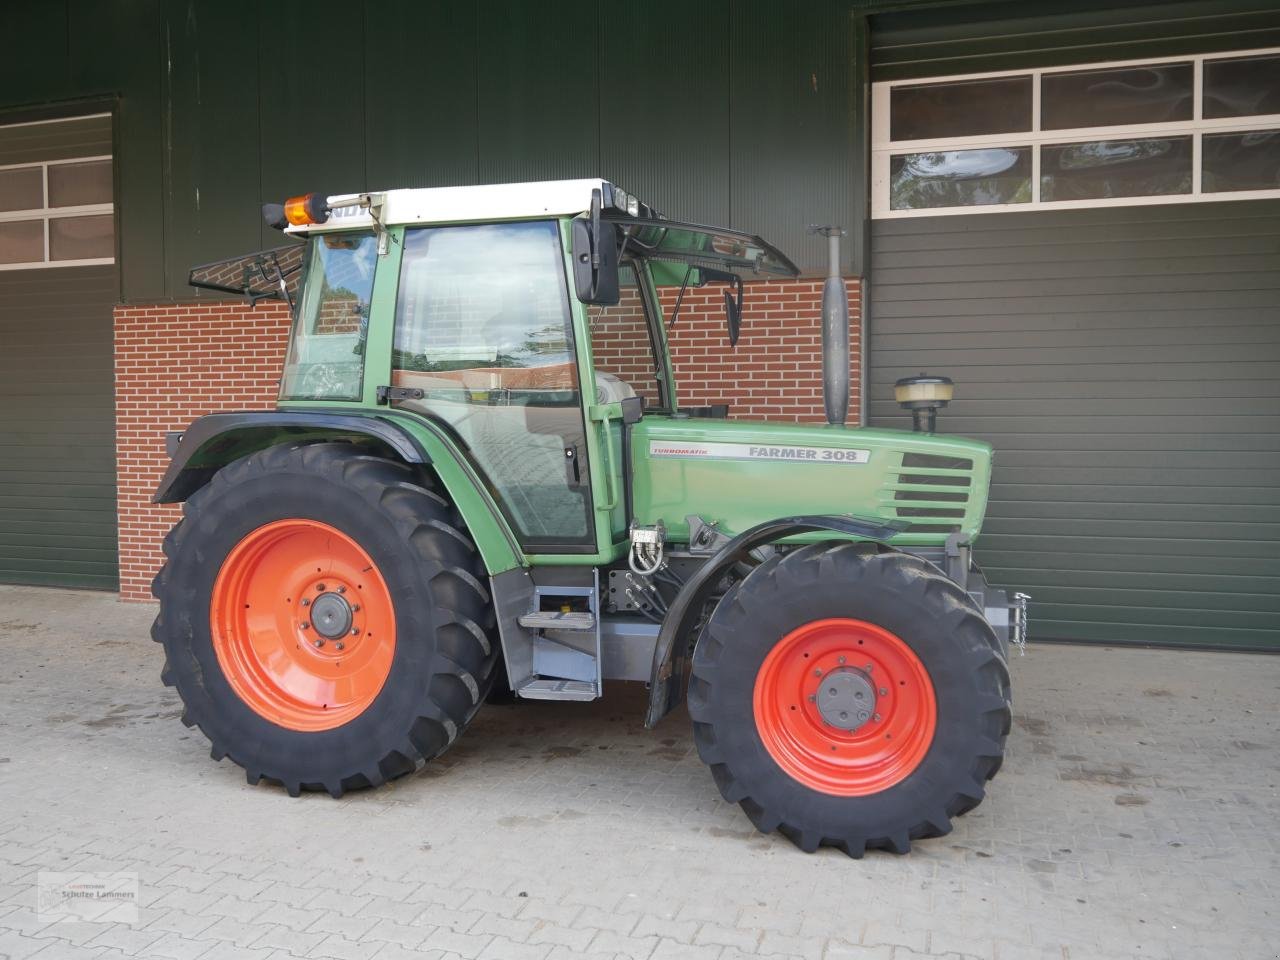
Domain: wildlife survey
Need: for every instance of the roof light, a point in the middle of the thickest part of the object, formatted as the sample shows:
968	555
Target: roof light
307	209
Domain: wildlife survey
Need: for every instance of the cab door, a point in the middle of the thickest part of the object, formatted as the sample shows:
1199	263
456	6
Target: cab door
484	345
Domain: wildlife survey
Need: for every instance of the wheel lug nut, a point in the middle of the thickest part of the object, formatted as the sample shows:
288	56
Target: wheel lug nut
306	602
876	718
817	673
355	631
840	660
339	645
813	698
355	608
319	642
342	589
884	691
320	587
868	668
305	625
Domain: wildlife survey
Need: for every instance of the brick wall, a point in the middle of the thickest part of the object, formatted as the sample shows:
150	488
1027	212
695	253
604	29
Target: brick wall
174	363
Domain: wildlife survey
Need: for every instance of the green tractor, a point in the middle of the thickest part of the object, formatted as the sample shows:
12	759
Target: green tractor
478	483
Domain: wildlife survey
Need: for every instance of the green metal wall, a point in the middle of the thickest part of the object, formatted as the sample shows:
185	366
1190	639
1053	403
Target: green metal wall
732	111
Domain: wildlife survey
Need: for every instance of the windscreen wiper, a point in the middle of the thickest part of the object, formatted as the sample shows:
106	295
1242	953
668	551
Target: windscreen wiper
675	311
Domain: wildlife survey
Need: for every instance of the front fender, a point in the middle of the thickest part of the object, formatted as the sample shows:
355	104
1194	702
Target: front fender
212	442
671	660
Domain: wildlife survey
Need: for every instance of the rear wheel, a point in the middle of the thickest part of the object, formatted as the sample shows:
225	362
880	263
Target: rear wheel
324	618
849	697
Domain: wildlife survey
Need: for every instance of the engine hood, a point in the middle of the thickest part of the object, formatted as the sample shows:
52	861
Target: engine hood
740	473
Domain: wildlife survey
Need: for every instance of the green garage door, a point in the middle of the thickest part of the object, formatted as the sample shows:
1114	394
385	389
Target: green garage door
1125	363
57	450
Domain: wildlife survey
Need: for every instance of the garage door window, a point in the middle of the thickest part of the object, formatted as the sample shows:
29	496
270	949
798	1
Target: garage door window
1161	131
57	213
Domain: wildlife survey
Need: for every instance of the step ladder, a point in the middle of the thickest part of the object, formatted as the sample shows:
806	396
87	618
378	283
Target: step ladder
565	644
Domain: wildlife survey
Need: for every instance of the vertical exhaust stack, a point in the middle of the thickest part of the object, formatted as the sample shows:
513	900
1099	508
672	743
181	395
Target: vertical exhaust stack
835	332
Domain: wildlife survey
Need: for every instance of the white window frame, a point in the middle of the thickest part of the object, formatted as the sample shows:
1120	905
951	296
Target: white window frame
882	148
47	213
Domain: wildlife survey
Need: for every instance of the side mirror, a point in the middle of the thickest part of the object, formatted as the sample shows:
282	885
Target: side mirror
595	258
732	299
733	316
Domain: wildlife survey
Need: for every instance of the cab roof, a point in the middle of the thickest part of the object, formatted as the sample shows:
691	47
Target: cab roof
485	202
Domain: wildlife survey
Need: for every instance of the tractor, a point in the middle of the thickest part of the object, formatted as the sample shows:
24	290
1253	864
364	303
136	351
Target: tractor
479	483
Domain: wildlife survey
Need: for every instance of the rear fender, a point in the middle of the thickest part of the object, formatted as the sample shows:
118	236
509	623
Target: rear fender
671	654
212	442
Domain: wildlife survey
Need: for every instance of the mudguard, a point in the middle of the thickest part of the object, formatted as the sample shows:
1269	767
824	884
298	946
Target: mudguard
215	440
212	442
670	669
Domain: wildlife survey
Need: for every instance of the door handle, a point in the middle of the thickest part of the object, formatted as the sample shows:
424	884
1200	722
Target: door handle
572	472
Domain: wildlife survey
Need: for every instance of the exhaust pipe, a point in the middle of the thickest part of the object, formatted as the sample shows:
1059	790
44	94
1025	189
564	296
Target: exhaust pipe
835	332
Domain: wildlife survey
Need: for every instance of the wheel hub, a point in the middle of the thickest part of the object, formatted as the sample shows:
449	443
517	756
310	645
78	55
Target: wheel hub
302	624
331	615
846	698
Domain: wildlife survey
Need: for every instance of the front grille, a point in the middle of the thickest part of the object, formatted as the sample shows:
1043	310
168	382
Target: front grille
930	490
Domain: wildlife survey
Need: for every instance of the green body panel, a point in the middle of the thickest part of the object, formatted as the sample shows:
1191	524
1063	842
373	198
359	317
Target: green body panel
738	493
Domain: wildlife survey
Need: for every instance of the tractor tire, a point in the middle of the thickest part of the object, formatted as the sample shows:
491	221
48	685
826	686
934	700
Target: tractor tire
324	618
849	696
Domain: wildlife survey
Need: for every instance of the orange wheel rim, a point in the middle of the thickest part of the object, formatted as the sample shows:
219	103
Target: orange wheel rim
844	707
303	625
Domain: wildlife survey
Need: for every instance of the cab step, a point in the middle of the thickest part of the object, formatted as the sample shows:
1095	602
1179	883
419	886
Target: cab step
543	688
558	620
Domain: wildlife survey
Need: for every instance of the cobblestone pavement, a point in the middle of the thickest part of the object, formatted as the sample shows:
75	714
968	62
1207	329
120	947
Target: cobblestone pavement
1135	817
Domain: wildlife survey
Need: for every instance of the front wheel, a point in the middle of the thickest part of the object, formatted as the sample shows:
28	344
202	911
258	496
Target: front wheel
324	618
849	697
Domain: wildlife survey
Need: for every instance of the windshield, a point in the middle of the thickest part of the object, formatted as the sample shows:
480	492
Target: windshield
325	359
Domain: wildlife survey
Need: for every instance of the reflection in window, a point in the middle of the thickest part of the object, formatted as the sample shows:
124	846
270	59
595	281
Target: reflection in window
80	183
964	108
960	178
1115	168
81	238
22	241
1159	93
1241	161
22	188
1241	86
326	351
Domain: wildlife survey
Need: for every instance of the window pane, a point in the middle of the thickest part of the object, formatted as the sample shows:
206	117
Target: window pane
81	238
326	351
21	189
22	241
76	184
1241	86
1160	93
966	108
483	329
960	178
1241	161
621	348
1115	168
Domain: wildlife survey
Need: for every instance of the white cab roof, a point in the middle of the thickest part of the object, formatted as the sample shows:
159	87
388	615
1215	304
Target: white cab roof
487	202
